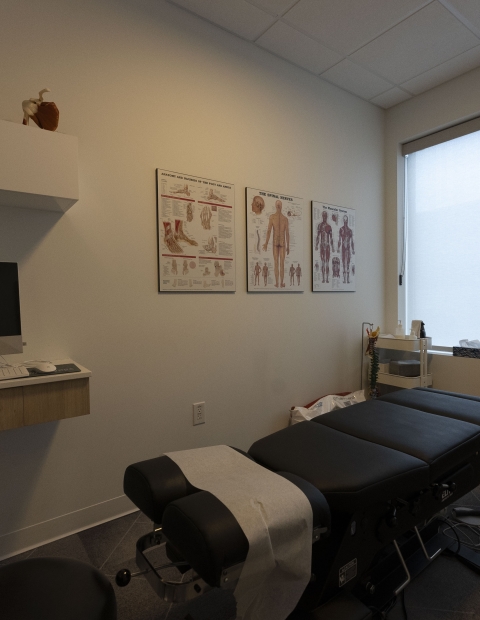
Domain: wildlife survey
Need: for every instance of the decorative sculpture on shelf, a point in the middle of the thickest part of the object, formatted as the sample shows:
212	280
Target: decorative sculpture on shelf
44	113
373	353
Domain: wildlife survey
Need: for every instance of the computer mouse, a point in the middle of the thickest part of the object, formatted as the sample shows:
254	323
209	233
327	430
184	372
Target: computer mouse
44	368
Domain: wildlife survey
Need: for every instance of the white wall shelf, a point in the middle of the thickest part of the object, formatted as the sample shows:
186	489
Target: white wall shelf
38	168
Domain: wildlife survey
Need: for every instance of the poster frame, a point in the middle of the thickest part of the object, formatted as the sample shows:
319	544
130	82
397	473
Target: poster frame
304	209
158	197
318	204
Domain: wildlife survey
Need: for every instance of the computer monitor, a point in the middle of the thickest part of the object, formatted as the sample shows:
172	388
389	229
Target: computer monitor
10	324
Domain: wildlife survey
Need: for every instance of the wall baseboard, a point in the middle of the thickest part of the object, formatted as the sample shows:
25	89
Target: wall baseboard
45	532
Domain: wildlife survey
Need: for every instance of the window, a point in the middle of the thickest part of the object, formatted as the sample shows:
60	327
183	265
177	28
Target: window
442	239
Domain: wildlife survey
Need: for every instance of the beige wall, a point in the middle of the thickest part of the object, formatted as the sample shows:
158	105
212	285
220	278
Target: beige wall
145	85
438	108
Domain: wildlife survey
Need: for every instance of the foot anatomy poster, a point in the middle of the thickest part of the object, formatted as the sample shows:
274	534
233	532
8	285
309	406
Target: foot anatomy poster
333	230
275	260
196	235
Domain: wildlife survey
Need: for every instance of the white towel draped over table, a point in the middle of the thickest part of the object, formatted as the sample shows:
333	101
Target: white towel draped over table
276	518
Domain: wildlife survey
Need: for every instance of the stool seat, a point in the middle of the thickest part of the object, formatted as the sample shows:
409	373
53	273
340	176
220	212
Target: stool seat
55	589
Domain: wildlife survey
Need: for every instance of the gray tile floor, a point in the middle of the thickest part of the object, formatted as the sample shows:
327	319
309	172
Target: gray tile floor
447	590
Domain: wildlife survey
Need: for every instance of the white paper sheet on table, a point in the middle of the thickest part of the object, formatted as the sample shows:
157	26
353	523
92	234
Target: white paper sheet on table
276	518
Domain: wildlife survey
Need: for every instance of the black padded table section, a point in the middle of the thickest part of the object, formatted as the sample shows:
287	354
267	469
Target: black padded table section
458	394
442	442
448	404
350	472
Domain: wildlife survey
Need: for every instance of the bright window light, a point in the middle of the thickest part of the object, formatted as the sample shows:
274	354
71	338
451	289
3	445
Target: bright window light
443	239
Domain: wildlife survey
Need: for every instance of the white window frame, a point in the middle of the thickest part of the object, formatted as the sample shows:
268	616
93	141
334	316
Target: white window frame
444	135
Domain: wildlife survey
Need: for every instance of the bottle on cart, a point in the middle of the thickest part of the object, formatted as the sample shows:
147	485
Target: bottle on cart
399	332
423	333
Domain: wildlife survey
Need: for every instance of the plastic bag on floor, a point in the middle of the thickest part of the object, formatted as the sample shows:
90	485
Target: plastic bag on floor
324	405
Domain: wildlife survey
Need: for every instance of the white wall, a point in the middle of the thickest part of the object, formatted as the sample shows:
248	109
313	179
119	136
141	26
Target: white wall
145	85
441	107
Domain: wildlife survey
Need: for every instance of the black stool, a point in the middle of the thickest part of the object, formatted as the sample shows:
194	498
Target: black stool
55	589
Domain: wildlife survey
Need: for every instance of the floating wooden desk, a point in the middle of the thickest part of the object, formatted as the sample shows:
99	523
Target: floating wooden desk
45	398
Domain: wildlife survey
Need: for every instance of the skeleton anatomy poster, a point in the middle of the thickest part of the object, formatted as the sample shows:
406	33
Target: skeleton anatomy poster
275	260
196	235
333	231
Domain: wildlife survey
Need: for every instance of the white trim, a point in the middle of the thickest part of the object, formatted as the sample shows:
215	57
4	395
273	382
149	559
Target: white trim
32	536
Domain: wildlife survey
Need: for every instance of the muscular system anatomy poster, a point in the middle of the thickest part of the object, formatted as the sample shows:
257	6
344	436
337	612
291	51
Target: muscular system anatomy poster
196	235
333	230
275	260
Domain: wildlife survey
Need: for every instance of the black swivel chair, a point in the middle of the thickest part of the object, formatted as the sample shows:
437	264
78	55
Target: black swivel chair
55	589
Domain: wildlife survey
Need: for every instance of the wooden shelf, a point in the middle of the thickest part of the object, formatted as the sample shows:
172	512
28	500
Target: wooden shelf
38	168
34	400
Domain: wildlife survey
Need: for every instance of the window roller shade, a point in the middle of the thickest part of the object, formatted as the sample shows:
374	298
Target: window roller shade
444	135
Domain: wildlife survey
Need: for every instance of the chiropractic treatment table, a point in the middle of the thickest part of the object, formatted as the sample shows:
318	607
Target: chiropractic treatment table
378	475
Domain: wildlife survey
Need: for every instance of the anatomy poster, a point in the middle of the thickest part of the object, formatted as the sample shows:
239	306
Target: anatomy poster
196	235
333	230
275	260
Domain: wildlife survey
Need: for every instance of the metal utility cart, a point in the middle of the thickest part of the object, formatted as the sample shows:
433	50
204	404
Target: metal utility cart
420	345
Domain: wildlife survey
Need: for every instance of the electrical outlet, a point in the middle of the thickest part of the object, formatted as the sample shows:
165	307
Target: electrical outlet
198	413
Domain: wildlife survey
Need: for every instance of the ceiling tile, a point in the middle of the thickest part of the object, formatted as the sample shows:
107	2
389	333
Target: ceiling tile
288	43
390	98
346	25
277	7
426	39
238	16
356	79
444	72
467	11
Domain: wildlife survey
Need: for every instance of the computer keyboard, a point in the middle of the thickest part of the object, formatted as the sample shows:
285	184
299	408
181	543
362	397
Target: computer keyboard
13	372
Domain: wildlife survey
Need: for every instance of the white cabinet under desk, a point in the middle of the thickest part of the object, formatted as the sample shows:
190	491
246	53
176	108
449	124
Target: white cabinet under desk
420	346
44	398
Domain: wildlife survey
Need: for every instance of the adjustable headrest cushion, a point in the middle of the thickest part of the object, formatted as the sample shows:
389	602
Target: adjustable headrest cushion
153	484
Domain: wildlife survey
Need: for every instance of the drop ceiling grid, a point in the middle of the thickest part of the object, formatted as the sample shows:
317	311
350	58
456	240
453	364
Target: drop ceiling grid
238	16
381	50
293	45
442	73
347	25
276	7
425	40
